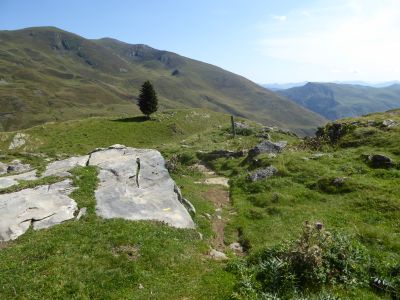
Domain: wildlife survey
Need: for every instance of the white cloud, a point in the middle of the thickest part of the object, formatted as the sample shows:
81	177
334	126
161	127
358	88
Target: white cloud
358	35
280	18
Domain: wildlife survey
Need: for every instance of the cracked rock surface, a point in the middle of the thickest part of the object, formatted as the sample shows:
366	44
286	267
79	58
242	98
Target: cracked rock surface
40	207
61	167
135	185
8	181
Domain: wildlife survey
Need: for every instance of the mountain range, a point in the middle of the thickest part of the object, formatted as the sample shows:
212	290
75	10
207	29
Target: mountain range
284	86
47	74
335	101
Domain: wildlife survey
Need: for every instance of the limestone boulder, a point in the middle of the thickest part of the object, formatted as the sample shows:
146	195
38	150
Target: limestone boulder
41	207
134	184
263	173
61	167
7	181
267	146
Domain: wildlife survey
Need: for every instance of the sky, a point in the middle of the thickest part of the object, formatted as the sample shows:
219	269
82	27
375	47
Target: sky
266	41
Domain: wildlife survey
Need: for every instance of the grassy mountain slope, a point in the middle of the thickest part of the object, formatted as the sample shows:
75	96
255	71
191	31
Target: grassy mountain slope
47	74
336	101
88	258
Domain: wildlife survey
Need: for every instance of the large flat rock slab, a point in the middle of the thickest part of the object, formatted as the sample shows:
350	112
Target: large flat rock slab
127	192
61	167
41	207
7	181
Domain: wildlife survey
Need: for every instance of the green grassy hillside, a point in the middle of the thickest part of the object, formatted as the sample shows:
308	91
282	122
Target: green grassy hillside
47	74
336	101
316	181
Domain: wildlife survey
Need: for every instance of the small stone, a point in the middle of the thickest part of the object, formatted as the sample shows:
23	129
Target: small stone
141	287
236	247
263	173
82	213
17	167
18	141
319	225
217	255
389	123
207	215
218	180
61	167
380	161
267	147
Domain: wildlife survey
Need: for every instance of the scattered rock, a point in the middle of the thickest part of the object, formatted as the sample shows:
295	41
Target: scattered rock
267	147
17	167
41	207
217	255
263	173
217	180
82	213
380	161
317	155
61	167
389	123
203	169
264	135
3	168
241	125
207	215
135	185
236	247
18	141
8	181
339	181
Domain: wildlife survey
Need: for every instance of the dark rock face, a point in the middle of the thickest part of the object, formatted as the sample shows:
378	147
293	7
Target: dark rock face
334	131
261	174
380	161
267	147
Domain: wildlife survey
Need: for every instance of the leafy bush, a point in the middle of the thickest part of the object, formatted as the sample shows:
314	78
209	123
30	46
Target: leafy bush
294	268
336	185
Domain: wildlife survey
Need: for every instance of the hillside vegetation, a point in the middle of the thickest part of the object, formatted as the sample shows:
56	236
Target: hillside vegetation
336	101
327	180
47	74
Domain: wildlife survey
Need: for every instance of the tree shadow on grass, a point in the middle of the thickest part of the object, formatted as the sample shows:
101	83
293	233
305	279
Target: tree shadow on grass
137	119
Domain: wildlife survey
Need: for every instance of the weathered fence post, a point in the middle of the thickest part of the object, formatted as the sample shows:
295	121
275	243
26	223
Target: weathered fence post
233	127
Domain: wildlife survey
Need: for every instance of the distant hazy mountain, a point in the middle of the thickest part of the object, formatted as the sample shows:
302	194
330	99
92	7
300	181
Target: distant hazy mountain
335	101
282	86
47	74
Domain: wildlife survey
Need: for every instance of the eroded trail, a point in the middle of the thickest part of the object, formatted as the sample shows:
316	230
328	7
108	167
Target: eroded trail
218	194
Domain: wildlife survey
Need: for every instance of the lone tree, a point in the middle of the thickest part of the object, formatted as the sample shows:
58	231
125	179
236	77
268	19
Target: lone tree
148	102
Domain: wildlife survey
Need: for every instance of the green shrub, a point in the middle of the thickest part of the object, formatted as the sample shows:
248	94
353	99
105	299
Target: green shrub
304	266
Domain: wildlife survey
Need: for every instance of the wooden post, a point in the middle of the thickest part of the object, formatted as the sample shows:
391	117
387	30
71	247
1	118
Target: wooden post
233	127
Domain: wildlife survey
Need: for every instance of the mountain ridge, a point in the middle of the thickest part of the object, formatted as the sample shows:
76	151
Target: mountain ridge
336	101
50	74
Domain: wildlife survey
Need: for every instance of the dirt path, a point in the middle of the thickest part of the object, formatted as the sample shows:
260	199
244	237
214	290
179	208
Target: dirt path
219	196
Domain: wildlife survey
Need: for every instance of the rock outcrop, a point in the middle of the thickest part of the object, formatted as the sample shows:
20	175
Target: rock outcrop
7	181
135	185
40	207
61	167
261	174
18	141
267	147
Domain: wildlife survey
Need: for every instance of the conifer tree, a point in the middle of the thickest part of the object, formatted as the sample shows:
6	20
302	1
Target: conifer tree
148	102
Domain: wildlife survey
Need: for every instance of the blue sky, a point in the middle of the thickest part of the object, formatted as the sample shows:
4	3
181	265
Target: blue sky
266	41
